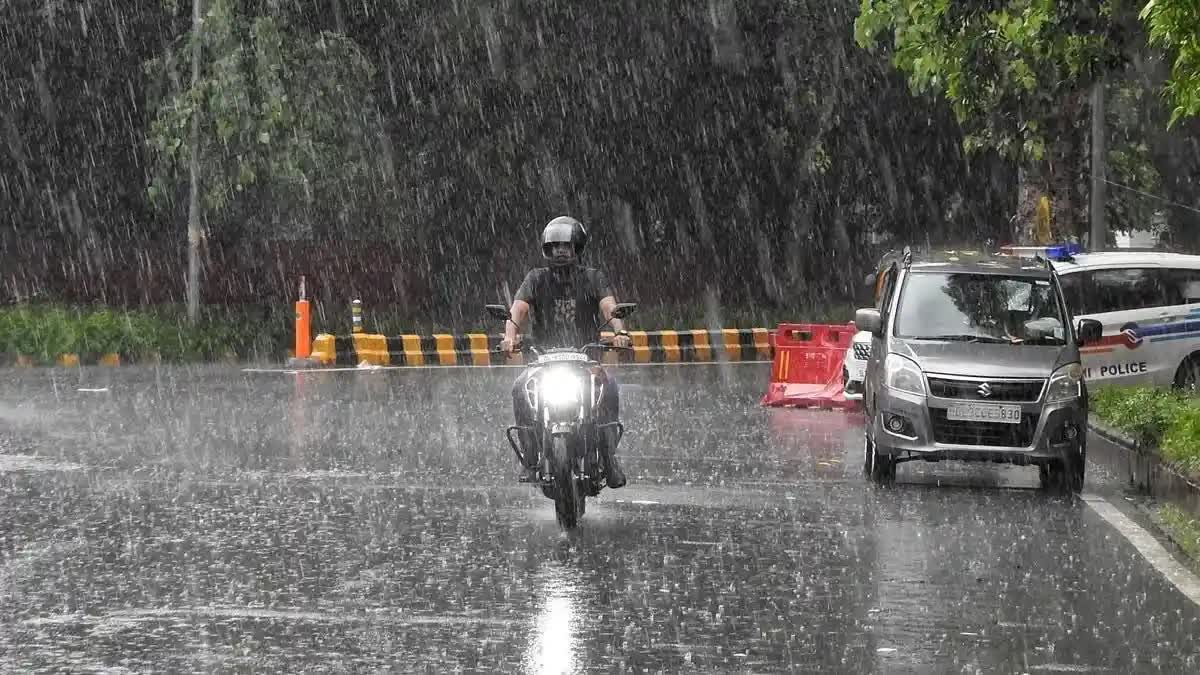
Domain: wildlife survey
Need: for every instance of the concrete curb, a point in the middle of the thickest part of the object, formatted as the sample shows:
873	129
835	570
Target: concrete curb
1143	468
477	349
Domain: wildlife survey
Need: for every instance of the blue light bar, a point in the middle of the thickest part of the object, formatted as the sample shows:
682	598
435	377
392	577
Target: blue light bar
1063	251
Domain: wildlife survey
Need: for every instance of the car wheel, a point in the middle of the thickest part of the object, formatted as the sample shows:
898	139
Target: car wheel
1187	376
881	468
868	450
1066	475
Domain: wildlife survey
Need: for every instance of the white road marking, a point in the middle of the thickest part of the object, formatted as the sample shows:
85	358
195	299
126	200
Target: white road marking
30	463
1149	547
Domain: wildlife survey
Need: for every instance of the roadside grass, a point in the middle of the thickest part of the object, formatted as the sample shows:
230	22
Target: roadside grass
1183	528
1156	417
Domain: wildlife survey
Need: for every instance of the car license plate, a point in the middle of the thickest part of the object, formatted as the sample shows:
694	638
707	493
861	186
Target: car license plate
1007	414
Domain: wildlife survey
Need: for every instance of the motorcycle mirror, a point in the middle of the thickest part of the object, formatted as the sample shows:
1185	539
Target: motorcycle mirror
623	309
498	312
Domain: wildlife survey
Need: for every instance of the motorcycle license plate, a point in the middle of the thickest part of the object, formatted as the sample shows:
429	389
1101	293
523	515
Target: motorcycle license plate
564	356
969	412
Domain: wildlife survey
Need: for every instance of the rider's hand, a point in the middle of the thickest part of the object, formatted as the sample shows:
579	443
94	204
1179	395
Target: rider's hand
509	346
622	340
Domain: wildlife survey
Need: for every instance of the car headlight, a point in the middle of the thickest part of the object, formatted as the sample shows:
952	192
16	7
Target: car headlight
1065	384
559	387
903	374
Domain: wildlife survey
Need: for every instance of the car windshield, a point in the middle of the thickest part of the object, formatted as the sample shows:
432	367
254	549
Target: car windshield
979	308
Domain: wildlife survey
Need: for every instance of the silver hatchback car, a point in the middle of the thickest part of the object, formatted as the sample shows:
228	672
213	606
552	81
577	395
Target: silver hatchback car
974	358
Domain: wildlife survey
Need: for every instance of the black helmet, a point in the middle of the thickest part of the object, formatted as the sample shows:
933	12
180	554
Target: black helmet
563	230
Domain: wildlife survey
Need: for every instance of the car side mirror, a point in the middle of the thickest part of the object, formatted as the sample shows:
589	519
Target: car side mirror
498	312
870	320
623	309
1089	331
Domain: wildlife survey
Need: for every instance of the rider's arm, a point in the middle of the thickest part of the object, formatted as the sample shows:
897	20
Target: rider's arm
520	314
607	304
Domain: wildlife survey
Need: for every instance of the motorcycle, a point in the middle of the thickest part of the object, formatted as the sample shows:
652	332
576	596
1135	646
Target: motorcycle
564	390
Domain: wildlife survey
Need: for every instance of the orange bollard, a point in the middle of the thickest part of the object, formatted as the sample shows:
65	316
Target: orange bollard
303	325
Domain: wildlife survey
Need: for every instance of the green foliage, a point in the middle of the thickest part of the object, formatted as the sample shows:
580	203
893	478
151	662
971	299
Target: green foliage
1141	412
1174	26
287	120
1160	418
1131	112
1181	441
1184	528
1006	68
44	333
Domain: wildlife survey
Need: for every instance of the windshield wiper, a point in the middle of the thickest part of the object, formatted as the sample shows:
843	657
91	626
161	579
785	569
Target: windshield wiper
1045	339
968	338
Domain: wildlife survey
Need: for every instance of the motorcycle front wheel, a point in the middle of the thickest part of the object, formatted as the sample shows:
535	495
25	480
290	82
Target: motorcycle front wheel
569	501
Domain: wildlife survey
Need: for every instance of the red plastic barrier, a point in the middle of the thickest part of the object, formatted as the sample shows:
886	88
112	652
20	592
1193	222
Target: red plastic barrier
807	369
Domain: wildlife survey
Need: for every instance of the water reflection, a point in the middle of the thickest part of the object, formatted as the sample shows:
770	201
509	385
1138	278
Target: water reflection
556	642
816	440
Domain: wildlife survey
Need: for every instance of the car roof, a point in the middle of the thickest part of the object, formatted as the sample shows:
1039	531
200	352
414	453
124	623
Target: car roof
1125	259
972	262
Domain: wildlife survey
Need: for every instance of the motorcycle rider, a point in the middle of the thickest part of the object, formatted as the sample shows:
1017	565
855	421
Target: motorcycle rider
569	303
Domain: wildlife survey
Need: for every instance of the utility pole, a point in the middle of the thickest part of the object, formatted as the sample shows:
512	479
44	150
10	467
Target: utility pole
193	279
1099	230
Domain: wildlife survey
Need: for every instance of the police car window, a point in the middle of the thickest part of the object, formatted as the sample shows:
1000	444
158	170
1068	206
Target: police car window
1072	289
1182	286
1122	290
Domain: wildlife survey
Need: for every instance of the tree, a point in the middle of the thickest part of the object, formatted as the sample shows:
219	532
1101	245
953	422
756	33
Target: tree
286	126
1173	26
1017	75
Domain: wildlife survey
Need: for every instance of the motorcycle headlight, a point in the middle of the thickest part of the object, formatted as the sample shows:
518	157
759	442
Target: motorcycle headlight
1065	384
903	374
560	387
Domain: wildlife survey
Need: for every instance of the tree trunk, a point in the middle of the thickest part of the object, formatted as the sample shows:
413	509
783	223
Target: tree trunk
1059	176
193	278
1031	185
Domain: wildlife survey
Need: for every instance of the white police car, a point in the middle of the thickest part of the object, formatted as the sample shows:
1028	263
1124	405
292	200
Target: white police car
854	365
1149	305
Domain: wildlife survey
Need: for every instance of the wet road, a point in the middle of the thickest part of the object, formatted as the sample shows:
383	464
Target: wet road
213	520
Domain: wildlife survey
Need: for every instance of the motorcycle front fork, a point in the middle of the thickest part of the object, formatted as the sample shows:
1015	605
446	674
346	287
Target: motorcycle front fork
517	448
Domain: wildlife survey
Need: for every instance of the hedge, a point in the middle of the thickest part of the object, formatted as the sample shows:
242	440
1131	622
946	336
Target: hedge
43	333
1162	418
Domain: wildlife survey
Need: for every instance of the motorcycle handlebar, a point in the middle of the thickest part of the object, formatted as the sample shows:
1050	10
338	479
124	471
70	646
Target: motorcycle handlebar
524	346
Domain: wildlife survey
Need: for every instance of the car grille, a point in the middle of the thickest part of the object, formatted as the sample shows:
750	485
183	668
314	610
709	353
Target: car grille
997	434
862	351
999	390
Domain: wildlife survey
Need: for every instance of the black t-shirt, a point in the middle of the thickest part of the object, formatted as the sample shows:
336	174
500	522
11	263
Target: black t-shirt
565	304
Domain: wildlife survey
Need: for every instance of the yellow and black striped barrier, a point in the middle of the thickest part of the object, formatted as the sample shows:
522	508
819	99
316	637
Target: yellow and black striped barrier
478	349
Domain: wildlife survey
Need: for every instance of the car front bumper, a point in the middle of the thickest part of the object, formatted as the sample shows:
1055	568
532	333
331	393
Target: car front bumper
1046	431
